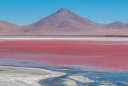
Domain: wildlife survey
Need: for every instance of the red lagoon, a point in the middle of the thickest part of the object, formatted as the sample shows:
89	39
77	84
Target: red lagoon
109	54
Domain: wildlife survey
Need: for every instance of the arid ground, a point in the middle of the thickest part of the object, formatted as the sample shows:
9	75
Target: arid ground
21	76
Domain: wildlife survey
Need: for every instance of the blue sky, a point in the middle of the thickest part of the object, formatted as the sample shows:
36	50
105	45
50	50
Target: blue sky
24	12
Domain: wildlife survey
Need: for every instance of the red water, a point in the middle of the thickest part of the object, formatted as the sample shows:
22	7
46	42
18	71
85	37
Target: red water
98	53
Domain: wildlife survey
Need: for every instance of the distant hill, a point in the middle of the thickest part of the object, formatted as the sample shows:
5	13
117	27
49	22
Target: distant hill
64	22
7	28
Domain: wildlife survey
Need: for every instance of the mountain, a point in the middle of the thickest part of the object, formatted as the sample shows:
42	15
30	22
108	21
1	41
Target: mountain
117	25
64	22
7	25
7	28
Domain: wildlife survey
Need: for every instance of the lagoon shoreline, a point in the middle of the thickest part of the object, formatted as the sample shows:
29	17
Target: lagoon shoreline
21	76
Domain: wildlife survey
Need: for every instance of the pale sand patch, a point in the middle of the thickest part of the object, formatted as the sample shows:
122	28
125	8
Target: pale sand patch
69	38
11	83
69	82
81	79
72	80
106	84
26	76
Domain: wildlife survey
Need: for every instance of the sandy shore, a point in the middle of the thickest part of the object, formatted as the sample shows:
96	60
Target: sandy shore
67	38
71	81
16	76
81	79
11	83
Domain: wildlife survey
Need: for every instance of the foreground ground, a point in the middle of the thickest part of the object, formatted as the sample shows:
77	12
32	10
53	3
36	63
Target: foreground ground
19	76
24	76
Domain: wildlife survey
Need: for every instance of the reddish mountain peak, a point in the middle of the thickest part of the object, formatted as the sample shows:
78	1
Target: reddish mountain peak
2	21
6	22
61	16
117	24
7	25
63	10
